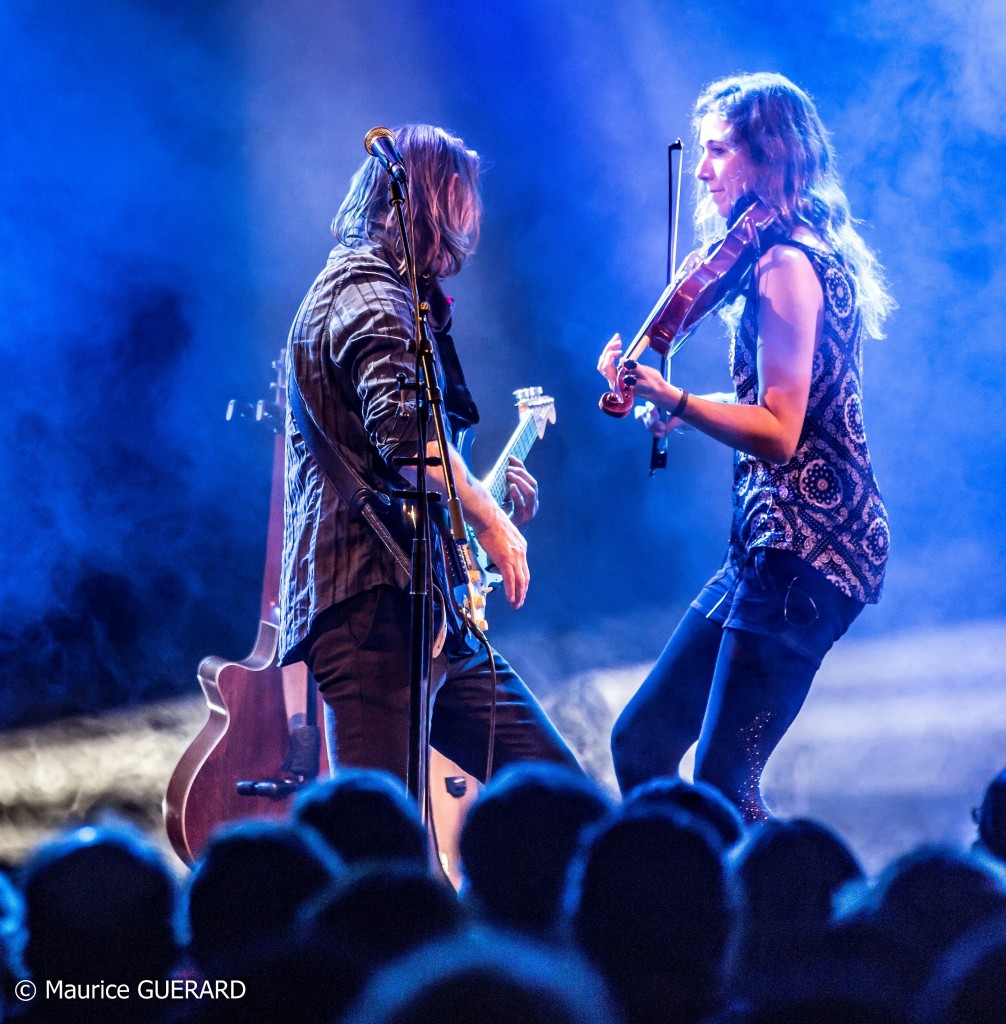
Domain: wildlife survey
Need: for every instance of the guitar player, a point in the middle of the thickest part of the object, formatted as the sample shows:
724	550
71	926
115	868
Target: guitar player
345	604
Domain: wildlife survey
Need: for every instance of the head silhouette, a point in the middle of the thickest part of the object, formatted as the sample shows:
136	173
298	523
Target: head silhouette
698	798
364	815
99	903
250	884
382	911
518	840
486	977
647	904
991	817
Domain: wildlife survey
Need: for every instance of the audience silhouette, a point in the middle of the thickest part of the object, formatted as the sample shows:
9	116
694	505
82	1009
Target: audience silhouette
386	910
99	908
664	908
991	818
966	984
920	904
12	938
783	878
698	798
489	978
249	885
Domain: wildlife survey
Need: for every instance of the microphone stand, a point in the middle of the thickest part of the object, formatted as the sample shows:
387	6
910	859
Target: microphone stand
429	407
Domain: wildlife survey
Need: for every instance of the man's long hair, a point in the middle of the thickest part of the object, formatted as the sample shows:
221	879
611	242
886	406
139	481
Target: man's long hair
779	127
446	221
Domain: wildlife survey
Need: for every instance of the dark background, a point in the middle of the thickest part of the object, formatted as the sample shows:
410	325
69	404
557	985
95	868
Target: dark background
169	173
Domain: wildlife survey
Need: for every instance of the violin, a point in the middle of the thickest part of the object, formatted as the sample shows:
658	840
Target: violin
707	281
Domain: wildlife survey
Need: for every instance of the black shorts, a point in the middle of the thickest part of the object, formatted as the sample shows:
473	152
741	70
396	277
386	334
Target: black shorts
776	593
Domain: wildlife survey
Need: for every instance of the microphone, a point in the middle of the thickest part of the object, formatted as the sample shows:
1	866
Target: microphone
380	143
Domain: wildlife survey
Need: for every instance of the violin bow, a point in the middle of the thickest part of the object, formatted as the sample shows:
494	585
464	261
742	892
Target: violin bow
658	450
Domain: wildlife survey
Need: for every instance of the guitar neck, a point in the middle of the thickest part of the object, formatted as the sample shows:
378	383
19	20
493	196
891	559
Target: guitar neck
521	440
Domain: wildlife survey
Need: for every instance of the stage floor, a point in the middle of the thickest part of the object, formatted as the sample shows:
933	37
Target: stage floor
894	747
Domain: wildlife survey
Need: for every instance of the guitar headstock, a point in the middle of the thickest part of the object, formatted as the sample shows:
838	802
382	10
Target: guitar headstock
540	406
268	411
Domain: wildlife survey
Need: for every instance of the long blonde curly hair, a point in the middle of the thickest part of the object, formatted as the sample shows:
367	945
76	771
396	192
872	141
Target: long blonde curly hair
781	131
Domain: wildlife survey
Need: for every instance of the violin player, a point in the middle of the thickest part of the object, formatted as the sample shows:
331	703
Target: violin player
345	607
809	536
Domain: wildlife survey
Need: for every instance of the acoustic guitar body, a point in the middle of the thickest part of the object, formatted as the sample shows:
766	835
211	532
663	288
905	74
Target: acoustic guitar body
202	793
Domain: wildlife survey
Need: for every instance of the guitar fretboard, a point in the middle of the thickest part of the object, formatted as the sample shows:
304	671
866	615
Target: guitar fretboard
519	445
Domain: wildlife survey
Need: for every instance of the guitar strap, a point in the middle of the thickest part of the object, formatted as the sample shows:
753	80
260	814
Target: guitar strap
362	499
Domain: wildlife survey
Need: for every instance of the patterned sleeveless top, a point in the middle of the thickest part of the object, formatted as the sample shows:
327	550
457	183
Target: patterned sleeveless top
824	504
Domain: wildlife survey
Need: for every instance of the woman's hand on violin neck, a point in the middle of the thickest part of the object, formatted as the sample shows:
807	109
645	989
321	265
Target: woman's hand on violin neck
650	384
607	364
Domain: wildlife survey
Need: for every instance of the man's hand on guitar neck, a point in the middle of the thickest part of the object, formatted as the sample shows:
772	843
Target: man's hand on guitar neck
522	493
502	540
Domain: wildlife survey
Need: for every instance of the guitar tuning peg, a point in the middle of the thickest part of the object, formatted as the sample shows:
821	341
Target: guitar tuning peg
239	410
522	395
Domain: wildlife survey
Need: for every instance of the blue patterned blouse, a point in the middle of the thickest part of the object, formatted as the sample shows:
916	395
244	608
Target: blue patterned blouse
824	504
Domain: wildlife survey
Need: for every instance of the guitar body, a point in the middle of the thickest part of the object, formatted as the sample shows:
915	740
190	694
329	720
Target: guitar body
251	703
244	737
202	794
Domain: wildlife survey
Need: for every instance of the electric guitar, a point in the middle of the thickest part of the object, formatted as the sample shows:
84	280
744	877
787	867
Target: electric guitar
471	585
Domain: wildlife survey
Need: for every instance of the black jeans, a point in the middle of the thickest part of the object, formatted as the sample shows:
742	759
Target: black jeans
358	652
734	676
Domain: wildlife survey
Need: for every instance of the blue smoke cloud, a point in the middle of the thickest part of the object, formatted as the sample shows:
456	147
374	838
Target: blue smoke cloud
173	170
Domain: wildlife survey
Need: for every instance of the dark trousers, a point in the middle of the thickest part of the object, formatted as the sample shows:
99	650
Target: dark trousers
358	652
733	676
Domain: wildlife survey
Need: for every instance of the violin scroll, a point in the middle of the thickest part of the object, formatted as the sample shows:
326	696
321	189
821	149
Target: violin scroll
619	400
